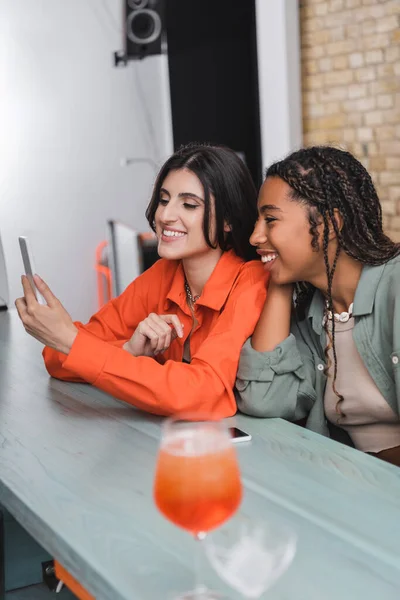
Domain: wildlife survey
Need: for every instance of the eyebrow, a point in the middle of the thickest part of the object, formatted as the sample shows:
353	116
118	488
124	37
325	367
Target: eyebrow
183	195
266	207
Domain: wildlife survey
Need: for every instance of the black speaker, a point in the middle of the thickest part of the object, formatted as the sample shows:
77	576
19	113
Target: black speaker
144	27
213	72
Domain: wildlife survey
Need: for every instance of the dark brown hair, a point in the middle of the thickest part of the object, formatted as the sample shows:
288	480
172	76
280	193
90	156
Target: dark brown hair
225	176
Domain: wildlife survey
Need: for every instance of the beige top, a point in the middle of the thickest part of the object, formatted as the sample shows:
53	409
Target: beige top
368	419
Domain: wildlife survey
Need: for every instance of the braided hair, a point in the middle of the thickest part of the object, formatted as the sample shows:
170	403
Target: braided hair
326	179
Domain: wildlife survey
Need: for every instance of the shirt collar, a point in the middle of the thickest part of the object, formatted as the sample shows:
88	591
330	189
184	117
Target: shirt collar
366	290
363	300
217	288
316	311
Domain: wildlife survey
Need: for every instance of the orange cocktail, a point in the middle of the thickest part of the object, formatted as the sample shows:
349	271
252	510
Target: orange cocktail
197	483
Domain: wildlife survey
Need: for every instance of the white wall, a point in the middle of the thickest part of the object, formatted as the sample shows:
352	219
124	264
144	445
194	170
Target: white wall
67	117
278	48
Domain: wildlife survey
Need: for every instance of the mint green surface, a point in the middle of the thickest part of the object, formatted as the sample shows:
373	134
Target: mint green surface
77	469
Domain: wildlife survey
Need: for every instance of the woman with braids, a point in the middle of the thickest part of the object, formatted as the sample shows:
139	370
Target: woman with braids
332	358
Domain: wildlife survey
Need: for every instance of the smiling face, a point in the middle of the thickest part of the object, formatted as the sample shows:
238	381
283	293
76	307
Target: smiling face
179	217
282	235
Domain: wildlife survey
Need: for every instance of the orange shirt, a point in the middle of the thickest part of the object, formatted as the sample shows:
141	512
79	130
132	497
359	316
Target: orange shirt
227	312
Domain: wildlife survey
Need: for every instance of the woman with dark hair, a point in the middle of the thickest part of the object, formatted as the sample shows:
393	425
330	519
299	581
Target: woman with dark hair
333	357
171	341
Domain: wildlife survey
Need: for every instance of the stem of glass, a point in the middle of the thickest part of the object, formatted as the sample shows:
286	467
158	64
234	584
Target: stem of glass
199	587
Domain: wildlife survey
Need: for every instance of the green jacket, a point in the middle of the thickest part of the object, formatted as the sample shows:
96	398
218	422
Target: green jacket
289	381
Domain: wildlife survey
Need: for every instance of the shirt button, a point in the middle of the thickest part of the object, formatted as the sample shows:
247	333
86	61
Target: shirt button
320	367
395	360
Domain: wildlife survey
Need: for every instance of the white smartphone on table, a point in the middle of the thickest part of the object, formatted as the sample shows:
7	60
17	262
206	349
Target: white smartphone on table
238	435
29	266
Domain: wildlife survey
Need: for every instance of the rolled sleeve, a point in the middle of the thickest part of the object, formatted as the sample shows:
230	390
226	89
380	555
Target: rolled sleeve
273	383
263	366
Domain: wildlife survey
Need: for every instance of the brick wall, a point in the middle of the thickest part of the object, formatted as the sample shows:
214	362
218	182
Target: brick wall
351	87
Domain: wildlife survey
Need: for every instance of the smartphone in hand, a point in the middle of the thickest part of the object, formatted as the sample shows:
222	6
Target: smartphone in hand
29	266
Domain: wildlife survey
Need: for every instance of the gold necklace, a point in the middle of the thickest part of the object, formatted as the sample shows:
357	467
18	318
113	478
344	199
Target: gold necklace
189	294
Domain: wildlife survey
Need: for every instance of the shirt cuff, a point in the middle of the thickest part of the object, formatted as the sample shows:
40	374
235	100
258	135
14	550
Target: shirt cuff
88	356
261	366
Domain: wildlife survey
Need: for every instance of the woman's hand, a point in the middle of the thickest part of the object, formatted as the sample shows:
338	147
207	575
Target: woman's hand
154	335
50	324
284	291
